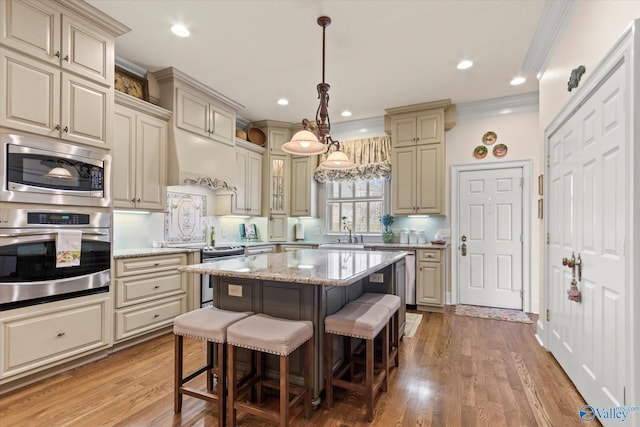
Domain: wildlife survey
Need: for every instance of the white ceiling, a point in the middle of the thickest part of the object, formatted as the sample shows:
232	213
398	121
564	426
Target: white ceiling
379	53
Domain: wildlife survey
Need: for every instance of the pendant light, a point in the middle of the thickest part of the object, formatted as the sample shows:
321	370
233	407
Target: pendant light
313	141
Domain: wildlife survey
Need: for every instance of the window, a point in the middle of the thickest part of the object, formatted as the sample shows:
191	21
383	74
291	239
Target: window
362	203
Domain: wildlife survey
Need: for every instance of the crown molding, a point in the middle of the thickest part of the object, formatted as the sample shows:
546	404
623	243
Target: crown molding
514	104
361	128
130	67
554	19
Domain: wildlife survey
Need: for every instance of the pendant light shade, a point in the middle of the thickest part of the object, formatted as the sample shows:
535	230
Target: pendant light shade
337	160
304	143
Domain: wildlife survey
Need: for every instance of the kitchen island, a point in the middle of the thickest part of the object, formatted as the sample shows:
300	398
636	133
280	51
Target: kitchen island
304	285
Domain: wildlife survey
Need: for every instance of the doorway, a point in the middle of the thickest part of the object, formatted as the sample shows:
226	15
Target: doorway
490	235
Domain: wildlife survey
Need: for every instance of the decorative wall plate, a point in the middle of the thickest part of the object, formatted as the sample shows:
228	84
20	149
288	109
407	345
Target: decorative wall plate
489	138
480	152
500	150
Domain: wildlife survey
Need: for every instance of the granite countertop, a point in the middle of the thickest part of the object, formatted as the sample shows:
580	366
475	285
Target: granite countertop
374	245
134	253
333	267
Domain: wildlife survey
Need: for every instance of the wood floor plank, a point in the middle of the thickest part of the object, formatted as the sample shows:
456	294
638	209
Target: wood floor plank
455	371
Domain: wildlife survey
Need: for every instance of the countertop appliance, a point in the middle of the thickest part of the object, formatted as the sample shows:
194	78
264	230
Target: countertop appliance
28	257
211	254
49	172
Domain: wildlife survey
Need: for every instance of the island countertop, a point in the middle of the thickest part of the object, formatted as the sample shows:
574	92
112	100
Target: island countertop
333	267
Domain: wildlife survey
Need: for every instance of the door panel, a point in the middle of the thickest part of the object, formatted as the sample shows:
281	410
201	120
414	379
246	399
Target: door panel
491	220
586	216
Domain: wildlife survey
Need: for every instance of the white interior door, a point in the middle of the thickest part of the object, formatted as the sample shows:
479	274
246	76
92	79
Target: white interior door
586	215
490	237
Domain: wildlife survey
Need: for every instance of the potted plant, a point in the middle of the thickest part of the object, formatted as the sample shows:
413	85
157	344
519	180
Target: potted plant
387	235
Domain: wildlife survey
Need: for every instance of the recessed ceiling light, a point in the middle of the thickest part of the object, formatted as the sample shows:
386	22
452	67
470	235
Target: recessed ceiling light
180	30
517	81
463	65
346	113
363	130
283	101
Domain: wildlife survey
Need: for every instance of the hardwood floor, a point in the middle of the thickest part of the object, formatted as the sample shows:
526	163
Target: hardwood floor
455	371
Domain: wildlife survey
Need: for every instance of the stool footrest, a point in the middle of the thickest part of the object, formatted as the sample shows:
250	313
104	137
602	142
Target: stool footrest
199	394
195	373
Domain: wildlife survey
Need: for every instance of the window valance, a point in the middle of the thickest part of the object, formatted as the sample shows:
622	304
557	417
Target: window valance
372	157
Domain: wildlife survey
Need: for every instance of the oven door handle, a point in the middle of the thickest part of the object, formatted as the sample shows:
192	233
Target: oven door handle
46	233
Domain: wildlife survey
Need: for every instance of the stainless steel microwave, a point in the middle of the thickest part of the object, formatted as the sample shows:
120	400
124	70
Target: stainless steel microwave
49	172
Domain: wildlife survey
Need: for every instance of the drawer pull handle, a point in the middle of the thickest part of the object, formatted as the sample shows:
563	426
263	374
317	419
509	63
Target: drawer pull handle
61	334
156	287
156	316
157	264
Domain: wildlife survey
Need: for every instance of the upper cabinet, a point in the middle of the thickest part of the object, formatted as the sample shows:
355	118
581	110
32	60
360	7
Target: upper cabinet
248	200
418	172
57	66
199	115
139	154
303	186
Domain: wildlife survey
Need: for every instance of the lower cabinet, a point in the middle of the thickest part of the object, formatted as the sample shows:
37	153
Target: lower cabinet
38	337
149	293
430	279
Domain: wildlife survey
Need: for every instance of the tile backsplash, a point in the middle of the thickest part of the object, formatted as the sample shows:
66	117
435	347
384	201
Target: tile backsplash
137	230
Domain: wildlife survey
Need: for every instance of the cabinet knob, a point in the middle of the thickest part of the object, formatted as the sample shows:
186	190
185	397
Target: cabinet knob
156	287
61	334
66	58
138	200
133	200
57	54
155	316
66	129
57	127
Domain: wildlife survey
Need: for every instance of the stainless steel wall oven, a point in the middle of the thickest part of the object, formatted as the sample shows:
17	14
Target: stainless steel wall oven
46	171
28	271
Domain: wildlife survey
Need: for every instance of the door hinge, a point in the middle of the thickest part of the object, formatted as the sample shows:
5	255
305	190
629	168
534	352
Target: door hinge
624	396
548	315
548	238
548	160
522	238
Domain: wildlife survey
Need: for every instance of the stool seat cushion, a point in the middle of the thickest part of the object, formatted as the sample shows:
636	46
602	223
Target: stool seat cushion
207	323
391	302
269	334
358	320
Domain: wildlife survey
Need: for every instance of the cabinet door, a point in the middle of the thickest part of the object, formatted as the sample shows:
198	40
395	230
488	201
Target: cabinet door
429	284
254	184
86	111
240	205
429	128
403	131
192	113
87	51
277	138
31	27
279	185
278	228
29	94
429	179
123	154
301	186
222	125
151	162
403	181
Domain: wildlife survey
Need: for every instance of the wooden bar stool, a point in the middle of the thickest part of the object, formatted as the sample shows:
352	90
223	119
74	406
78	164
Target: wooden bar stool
392	303
209	324
364	321
265	334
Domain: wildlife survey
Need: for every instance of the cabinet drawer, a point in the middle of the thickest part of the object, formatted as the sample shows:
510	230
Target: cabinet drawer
149	264
35	340
142	288
429	255
147	317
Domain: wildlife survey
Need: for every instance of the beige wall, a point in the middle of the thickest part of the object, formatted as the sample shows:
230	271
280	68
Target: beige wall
523	137
594	28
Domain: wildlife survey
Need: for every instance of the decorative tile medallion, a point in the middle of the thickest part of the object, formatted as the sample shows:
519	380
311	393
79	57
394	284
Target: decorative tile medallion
184	222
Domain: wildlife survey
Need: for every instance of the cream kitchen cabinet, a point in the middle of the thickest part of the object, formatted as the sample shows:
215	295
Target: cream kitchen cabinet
57	68
303	186
248	200
139	154
39	337
418	175
430	279
417	180
149	293
40	99
201	115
